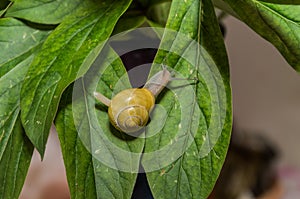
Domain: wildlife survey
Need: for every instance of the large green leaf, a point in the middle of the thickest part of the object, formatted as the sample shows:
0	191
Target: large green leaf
41	11
276	21
93	152
184	159
65	56
18	44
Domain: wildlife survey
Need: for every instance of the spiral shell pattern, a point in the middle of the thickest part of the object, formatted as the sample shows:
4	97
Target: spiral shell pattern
129	110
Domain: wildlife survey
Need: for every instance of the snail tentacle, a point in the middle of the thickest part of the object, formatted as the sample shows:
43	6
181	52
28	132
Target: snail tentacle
102	98
158	82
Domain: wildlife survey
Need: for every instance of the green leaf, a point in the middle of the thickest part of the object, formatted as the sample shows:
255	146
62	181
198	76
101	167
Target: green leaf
65	56
184	158
93	152
77	160
15	162
17	40
18	43
277	22
41	11
10	86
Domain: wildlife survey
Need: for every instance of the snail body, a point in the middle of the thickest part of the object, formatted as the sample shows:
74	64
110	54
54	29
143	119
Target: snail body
129	110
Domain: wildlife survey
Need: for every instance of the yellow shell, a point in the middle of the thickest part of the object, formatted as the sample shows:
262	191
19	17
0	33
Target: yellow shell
129	110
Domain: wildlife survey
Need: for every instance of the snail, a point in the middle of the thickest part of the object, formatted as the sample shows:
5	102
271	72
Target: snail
129	110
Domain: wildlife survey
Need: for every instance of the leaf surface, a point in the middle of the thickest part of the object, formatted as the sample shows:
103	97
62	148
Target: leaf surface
65	56
41	11
19	43
276	21
184	158
93	151
77	160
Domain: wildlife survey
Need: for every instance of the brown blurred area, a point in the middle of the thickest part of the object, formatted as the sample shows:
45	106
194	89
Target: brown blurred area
263	159
47	179
250	169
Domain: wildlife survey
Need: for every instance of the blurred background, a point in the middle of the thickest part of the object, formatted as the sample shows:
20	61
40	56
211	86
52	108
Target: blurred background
266	96
266	90
266	109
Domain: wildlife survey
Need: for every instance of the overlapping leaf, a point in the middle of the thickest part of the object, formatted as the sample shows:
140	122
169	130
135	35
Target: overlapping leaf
44	12
15	162
77	160
276	21
18	43
65	56
191	147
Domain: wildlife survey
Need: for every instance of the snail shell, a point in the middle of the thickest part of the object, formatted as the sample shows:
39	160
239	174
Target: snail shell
129	110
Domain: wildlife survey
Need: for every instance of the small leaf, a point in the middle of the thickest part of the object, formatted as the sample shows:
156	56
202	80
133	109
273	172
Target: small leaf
97	151
184	159
277	22
65	56
44	12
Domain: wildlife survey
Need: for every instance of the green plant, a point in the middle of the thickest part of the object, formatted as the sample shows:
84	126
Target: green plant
47	46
